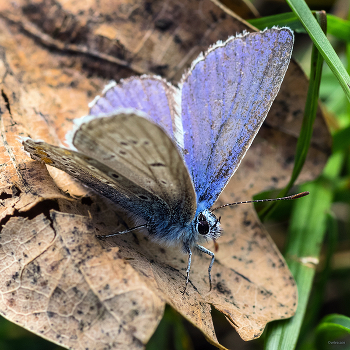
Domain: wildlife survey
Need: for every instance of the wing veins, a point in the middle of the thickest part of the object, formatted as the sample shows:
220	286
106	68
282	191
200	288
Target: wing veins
213	147
252	108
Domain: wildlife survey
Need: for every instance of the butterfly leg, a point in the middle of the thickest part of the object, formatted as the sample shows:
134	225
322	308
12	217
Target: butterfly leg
188	250
207	251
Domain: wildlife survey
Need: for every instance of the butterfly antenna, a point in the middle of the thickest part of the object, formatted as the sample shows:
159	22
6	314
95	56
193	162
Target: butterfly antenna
294	196
120	232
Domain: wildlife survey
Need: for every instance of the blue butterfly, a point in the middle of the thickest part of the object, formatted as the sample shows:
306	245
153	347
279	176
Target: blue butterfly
166	153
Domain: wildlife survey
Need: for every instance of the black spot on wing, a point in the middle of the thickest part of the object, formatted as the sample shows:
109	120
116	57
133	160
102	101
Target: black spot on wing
157	164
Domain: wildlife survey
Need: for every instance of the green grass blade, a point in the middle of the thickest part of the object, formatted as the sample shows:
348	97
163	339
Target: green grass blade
304	139
340	320
288	19
336	26
332	327
310	110
319	288
300	8
307	229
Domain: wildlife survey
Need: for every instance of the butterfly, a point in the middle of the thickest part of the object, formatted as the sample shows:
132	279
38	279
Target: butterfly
165	153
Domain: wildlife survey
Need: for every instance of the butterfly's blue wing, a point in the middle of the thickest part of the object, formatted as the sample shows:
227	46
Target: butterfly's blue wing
226	96
154	96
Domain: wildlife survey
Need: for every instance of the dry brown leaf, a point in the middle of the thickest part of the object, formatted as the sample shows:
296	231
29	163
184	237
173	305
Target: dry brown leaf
70	290
56	279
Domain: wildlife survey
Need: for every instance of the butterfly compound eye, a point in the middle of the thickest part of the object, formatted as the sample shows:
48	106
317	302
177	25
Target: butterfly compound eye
203	225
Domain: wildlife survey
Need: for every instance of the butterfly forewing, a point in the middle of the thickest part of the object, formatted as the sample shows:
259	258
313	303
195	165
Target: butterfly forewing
141	151
225	98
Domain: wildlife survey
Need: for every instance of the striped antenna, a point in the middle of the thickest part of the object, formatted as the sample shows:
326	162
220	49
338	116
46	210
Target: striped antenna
294	196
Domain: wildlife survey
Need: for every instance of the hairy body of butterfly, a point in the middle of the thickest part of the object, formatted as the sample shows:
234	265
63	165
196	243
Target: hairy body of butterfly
166	153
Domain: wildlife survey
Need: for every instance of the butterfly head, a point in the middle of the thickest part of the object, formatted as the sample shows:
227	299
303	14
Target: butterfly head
207	225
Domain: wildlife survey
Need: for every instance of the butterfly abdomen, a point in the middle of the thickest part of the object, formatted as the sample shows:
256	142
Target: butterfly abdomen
170	233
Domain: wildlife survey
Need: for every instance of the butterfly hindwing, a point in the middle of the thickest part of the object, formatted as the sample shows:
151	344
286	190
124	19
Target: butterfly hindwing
154	96
141	151
225	98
